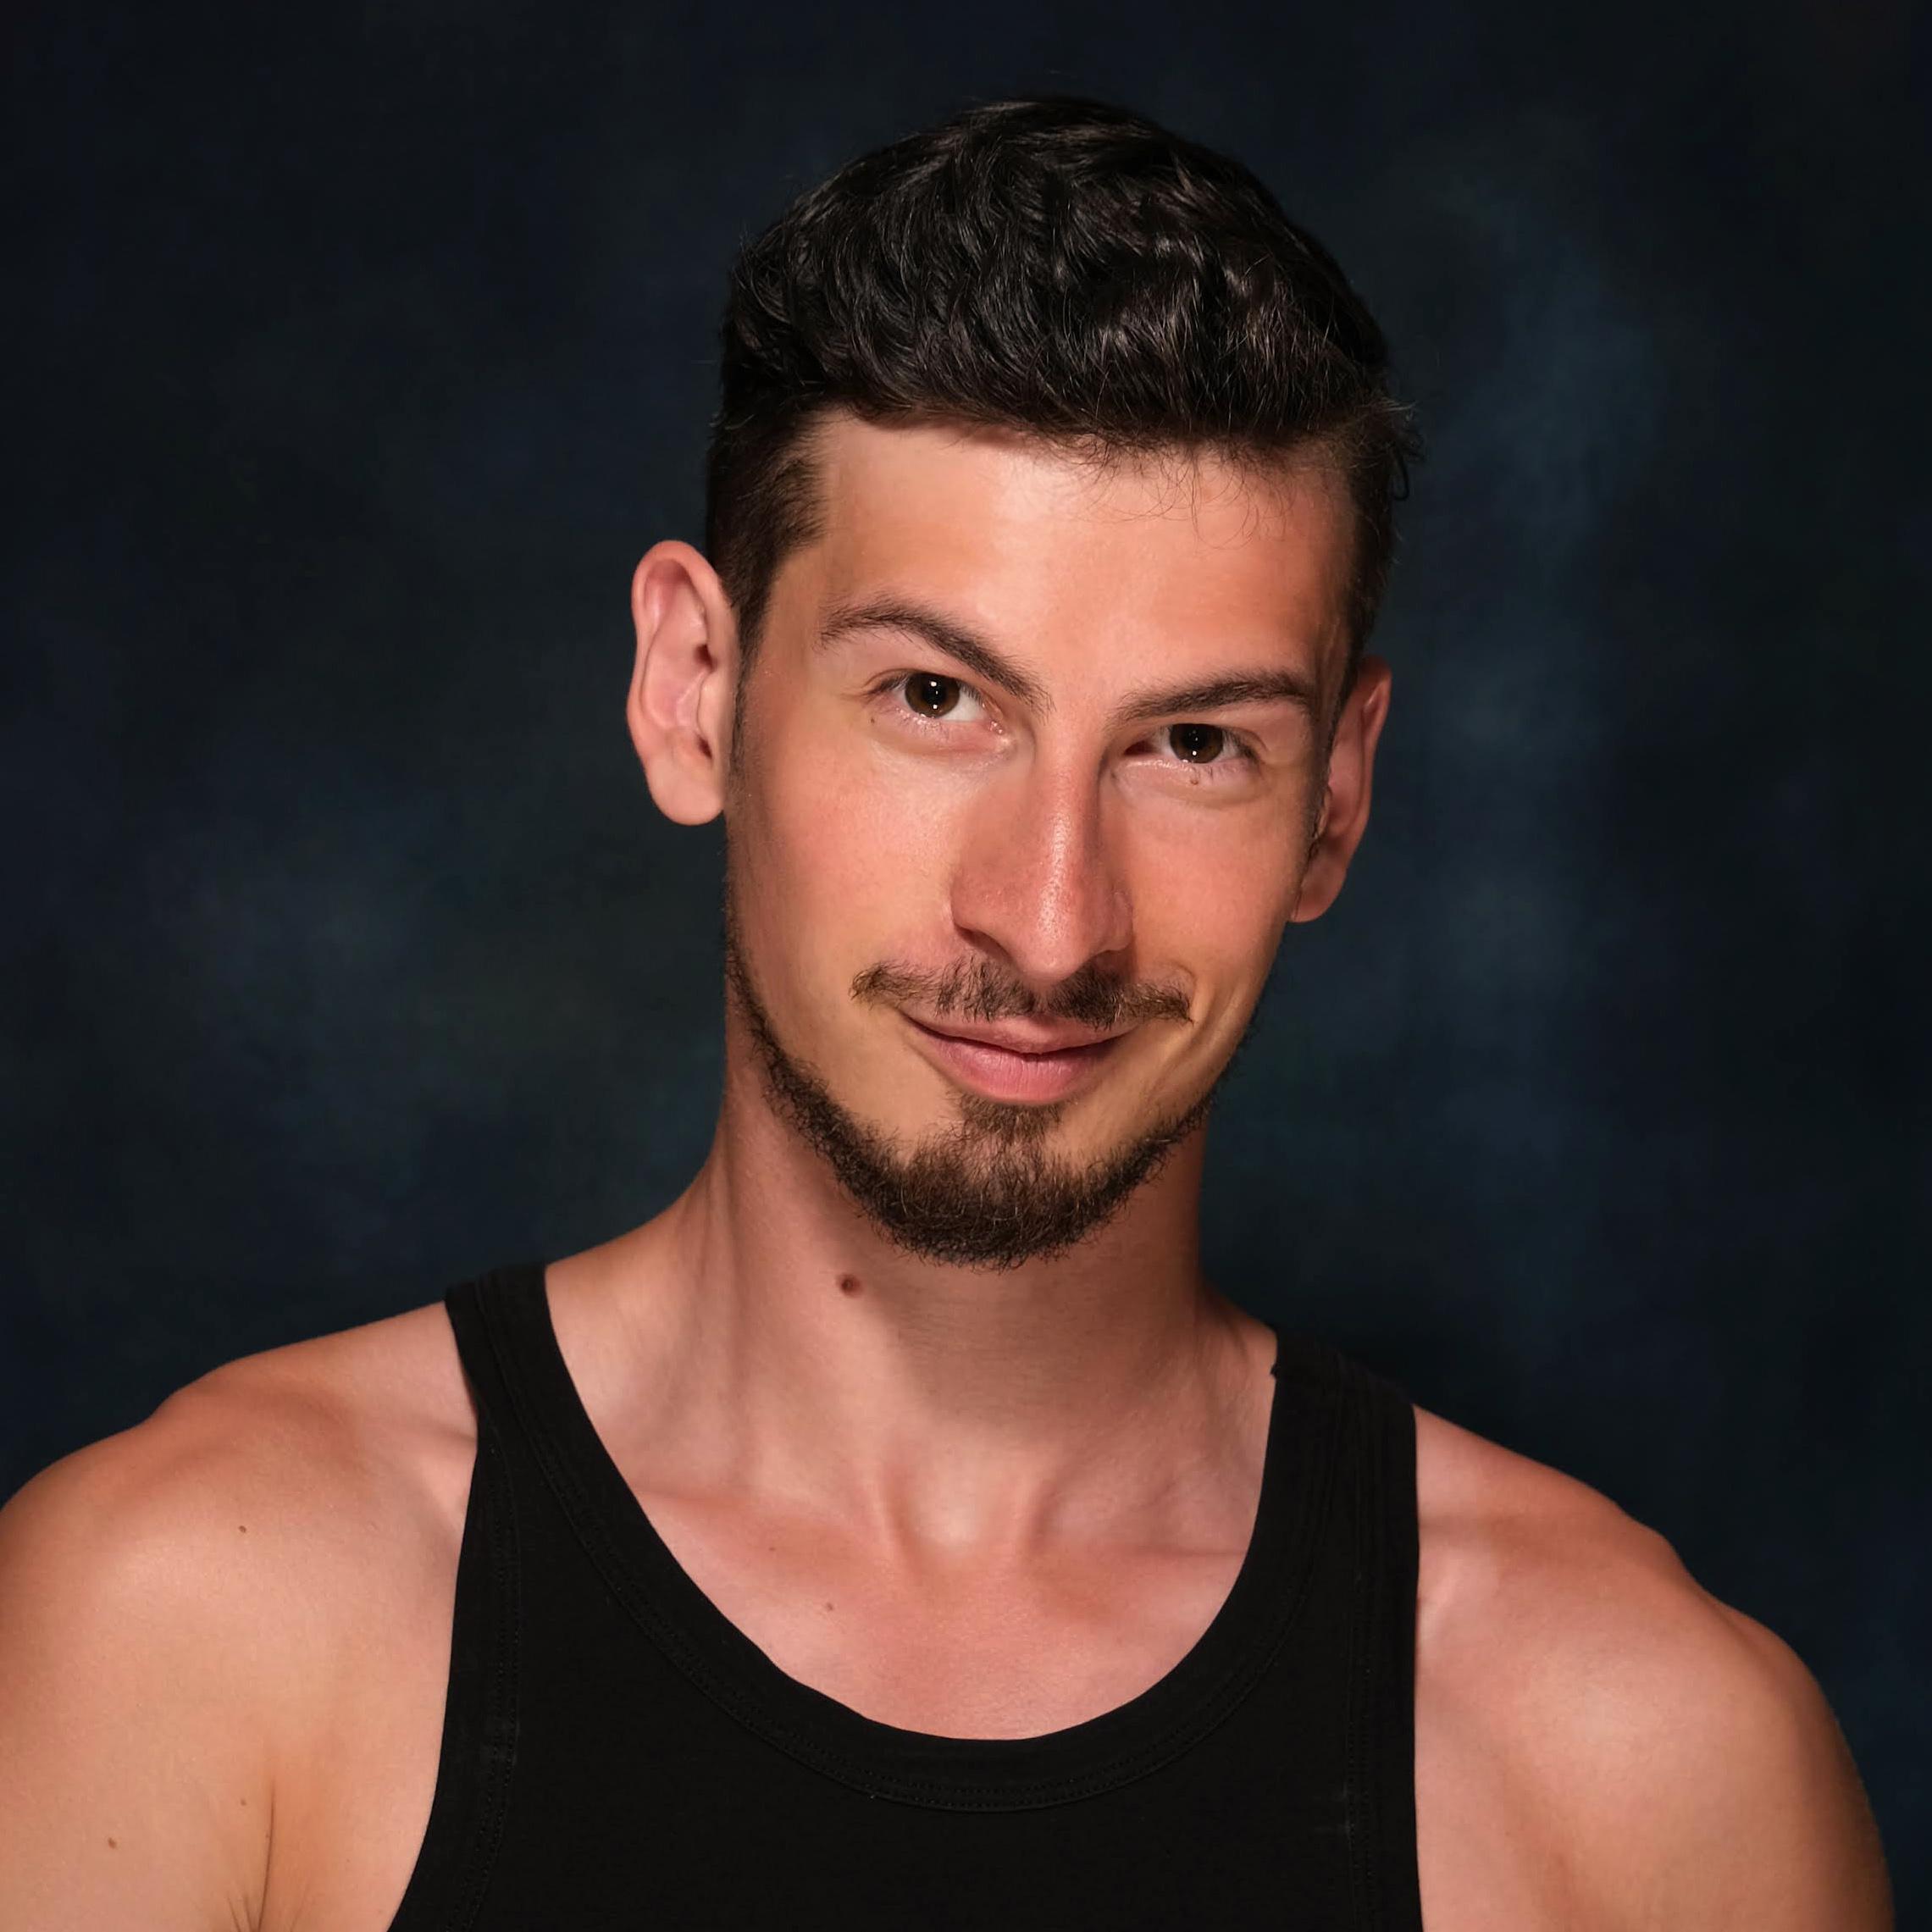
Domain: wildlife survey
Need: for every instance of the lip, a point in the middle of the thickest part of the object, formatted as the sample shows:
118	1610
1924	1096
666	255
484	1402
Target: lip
1011	1073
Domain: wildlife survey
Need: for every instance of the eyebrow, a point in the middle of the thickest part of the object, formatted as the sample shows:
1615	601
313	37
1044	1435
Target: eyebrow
899	613
1267	686
1259	687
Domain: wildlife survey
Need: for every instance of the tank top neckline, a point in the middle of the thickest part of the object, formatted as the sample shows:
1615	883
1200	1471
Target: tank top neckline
920	1767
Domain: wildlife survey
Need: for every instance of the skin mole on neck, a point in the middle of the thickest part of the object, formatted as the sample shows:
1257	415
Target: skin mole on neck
847	1284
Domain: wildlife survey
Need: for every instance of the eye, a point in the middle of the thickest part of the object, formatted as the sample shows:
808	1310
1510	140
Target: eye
933	696
1199	743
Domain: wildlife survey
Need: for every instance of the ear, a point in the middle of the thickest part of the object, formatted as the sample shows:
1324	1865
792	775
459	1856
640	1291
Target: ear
679	704
1345	807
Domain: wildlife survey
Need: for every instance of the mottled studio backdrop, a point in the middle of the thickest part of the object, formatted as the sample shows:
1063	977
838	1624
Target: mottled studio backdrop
362	351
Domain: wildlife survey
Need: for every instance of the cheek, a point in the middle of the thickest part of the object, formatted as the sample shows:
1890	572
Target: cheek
1217	913
848	867
1220	896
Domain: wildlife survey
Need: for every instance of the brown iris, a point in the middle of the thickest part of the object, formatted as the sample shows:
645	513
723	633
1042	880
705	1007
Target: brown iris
1199	743
931	694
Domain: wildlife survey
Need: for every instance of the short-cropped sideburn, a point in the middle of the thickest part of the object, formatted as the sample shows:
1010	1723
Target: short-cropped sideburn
1053	265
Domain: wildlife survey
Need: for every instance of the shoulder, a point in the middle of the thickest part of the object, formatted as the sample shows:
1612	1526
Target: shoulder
1679	1761
260	1470
178	1601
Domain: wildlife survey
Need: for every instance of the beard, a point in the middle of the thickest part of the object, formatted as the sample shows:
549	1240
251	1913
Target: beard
986	1191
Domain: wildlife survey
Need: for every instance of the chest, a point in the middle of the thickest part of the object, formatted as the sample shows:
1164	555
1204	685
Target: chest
985	1662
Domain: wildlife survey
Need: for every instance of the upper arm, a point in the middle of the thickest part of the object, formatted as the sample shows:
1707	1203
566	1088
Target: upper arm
1705	1783
1756	1812
134	1790
1634	1753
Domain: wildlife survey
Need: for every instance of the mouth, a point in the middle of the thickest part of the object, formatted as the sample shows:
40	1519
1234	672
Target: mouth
1011	1073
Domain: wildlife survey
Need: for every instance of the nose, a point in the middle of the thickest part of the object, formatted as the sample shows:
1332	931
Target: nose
1037	883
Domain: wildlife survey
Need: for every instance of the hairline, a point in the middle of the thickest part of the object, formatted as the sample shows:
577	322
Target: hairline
1101	455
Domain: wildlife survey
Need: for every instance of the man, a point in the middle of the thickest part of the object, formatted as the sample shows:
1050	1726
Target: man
899	1528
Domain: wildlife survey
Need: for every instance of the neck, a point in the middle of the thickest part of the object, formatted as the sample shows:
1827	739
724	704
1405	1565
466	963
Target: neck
765	1336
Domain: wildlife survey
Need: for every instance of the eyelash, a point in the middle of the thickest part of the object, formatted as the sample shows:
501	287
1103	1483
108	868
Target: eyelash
1240	751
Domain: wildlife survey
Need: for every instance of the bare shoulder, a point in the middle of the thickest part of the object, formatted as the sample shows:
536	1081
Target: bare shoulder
179	1602
262	1468
1672	1760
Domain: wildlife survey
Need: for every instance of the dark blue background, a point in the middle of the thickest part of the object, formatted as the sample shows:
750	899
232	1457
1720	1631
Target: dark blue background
360	358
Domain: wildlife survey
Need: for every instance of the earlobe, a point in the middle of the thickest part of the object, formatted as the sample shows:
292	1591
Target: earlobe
679	704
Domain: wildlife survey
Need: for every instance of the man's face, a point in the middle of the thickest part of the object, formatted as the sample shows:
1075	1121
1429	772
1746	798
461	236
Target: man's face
1032	754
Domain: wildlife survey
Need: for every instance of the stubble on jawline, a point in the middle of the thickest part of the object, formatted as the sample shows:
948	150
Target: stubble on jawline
985	1191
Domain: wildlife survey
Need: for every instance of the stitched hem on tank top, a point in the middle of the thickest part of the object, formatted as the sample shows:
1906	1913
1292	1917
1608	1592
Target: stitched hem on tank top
596	1534
940	1793
459	1838
1360	1810
499	1749
1382	1735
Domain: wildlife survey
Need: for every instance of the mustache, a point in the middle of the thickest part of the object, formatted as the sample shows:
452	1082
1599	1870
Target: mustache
977	990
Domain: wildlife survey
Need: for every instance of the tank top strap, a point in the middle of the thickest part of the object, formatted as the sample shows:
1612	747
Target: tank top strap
496	1317
1387	1678
482	1715
1381	1691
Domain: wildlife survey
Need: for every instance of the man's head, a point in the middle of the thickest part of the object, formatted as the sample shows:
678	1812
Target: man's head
1058	267
1048	511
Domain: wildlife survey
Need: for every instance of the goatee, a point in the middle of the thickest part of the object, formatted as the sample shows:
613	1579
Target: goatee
985	1192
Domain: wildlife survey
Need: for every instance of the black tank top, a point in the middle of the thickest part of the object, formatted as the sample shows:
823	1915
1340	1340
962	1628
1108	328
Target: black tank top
616	1754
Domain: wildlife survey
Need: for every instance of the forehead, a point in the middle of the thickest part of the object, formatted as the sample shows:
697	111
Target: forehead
1139	556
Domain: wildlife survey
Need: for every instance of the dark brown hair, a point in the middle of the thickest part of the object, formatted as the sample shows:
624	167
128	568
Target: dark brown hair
1058	266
